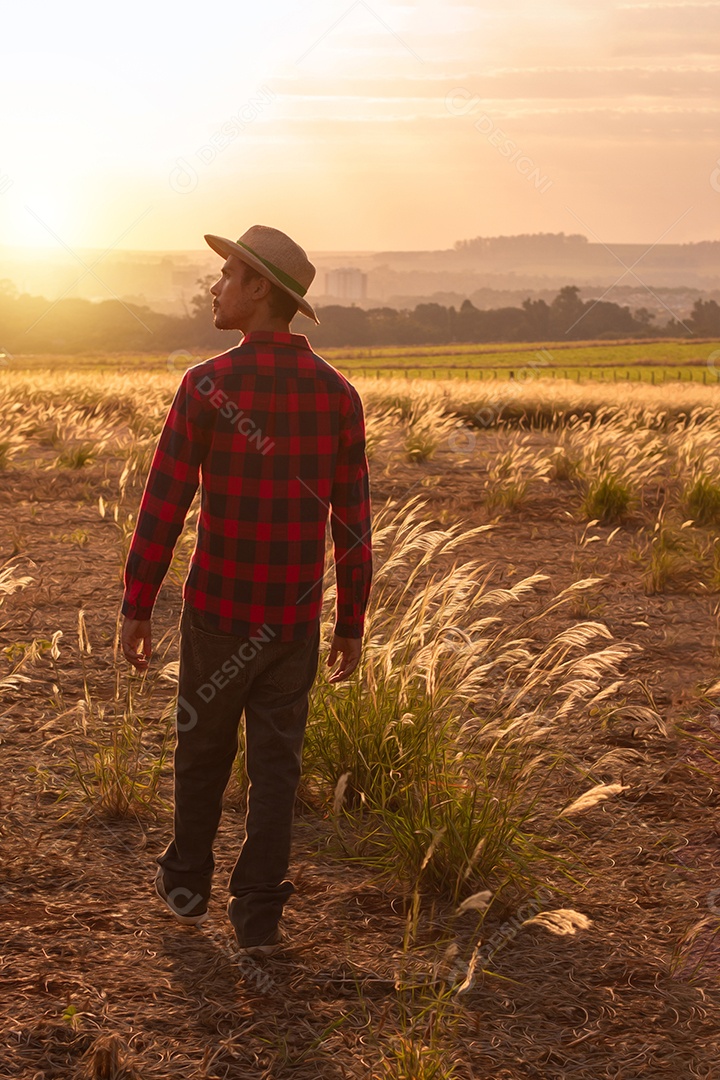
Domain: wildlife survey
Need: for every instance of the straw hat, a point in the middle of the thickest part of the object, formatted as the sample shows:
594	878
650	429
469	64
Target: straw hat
274	255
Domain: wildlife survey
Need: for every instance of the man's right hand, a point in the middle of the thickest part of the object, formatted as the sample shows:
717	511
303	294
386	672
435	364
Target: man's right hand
134	633
349	650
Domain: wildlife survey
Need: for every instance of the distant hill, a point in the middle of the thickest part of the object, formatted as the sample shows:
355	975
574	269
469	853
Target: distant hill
490	271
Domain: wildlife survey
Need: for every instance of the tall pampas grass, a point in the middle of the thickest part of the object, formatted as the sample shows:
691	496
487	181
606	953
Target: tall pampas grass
444	741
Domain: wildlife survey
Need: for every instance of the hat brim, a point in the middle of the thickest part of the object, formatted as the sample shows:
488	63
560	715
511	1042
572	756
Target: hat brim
225	247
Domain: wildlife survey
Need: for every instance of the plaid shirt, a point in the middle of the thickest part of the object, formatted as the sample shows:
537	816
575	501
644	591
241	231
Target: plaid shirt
278	437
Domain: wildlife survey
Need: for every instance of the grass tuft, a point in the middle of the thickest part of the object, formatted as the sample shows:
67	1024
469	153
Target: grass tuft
702	500
435	758
427	429
607	499
114	760
77	457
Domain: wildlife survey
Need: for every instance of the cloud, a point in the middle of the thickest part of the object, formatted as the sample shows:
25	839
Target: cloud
542	83
666	30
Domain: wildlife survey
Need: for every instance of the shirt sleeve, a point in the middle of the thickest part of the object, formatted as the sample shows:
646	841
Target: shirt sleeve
350	524
169	490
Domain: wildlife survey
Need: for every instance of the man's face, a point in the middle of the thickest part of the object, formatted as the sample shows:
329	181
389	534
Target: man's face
234	299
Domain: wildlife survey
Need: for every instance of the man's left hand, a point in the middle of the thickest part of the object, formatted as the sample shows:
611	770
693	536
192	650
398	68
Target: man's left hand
349	650
135	632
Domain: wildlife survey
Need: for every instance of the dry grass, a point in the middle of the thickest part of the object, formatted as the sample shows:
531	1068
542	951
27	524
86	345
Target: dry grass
506	854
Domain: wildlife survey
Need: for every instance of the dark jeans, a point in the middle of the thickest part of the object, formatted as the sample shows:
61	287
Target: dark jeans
220	677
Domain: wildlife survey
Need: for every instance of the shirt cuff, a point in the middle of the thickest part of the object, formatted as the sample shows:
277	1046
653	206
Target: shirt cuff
134	611
349	630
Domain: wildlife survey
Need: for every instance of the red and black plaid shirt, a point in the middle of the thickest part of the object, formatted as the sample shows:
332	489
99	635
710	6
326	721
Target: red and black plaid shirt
278	437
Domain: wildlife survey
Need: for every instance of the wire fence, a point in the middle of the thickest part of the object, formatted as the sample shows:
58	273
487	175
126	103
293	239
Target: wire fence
652	376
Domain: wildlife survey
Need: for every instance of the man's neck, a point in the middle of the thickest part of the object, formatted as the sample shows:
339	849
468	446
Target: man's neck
266	325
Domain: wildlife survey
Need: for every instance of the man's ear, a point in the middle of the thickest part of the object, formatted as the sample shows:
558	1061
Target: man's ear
261	288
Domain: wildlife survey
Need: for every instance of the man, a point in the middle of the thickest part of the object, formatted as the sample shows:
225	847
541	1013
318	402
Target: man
276	436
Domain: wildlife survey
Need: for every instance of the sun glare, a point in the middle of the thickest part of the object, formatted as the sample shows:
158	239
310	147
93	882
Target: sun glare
45	220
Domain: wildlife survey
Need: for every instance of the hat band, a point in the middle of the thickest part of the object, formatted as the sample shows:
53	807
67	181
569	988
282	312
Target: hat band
279	274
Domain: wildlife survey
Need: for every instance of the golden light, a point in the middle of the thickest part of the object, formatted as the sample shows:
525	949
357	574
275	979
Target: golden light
46	218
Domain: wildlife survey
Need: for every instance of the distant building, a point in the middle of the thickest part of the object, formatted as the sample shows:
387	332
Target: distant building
347	283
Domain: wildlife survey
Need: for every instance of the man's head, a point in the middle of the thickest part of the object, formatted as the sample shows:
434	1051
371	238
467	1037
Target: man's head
263	281
243	299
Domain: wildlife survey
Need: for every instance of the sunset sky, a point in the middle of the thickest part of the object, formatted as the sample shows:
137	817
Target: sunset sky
361	126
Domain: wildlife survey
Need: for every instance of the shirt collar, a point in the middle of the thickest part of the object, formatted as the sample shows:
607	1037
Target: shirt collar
275	337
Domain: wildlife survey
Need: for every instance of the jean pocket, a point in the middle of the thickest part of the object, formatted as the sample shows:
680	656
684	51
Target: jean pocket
209	651
199	623
295	670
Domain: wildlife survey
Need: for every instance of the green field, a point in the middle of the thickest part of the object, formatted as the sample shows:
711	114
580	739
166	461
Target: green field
651	361
647	361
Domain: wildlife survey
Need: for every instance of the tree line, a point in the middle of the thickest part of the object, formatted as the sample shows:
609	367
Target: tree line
35	325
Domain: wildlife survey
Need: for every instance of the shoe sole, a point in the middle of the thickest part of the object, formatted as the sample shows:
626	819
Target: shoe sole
184	920
261	950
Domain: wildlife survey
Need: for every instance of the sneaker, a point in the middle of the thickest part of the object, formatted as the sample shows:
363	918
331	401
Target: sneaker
182	902
273	945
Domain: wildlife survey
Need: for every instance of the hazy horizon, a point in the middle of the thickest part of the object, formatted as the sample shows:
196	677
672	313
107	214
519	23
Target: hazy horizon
375	126
39	252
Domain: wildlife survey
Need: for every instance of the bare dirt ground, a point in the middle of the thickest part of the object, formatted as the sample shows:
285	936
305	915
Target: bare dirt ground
99	981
